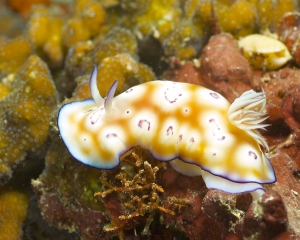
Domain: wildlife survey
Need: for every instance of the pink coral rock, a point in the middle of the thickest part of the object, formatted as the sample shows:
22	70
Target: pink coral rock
267	218
224	68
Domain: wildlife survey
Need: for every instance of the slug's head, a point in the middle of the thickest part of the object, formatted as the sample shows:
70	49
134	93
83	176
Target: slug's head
78	123
105	102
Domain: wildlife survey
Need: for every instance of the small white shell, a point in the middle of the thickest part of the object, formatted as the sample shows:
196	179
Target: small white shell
263	52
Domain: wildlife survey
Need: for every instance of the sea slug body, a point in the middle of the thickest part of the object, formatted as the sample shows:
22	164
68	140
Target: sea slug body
194	128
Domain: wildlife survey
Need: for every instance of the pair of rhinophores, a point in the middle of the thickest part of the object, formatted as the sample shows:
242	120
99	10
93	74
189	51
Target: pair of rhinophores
192	127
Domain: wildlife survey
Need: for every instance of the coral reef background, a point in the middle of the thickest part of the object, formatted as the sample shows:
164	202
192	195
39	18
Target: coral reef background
47	51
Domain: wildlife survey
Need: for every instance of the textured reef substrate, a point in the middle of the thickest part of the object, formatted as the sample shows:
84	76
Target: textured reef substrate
47	52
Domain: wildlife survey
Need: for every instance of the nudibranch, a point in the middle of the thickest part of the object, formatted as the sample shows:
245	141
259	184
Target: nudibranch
194	128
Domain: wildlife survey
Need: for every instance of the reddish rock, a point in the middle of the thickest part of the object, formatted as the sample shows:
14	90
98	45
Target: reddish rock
291	109
36	227
191	218
288	31
221	208
265	218
286	165
189	192
187	72
276	84
75	217
223	67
